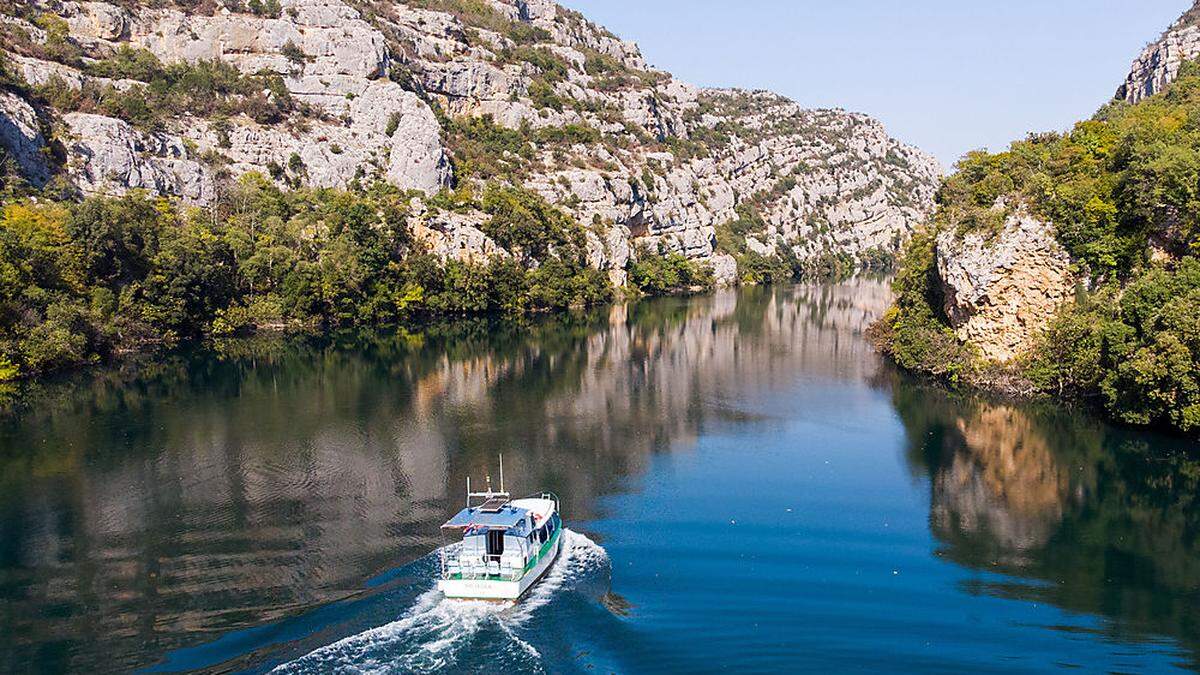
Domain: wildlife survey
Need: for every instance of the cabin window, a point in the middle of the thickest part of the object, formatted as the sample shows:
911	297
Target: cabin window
495	542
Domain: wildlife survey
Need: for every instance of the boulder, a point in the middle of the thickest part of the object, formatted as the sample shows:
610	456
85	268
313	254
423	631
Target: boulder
724	269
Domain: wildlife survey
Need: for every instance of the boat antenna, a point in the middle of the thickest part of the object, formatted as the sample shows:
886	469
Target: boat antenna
468	492
502	472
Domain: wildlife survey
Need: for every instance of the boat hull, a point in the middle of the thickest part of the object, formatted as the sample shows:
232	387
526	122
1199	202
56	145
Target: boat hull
497	589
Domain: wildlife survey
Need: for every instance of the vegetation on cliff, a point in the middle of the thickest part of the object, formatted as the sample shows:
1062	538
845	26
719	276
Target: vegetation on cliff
1123	193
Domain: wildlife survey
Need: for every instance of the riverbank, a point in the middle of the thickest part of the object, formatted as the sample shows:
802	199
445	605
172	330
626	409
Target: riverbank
89	281
1127	353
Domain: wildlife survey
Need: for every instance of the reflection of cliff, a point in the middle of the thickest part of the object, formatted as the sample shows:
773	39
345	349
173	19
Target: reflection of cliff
1006	482
205	494
1078	514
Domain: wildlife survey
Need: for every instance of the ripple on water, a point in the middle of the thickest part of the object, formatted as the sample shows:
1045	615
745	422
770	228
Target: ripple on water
435	632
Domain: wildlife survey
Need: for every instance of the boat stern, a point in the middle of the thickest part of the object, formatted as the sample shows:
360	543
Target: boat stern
480	589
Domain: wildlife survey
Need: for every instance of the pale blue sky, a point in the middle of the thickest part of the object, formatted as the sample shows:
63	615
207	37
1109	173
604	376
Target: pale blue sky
946	75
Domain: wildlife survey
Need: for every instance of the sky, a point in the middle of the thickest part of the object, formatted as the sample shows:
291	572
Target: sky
945	75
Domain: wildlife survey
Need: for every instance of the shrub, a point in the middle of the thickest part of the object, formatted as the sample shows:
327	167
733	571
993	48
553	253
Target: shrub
552	68
129	63
8	370
205	89
656	274
267	8
393	124
484	149
525	223
293	53
542	95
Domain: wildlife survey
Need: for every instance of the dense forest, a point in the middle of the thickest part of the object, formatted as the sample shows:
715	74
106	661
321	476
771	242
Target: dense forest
82	281
1122	191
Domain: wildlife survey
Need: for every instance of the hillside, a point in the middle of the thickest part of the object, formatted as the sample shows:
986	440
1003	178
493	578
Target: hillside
1069	265
358	162
1160	61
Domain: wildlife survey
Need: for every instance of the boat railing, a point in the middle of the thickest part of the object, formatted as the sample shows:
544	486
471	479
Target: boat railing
483	567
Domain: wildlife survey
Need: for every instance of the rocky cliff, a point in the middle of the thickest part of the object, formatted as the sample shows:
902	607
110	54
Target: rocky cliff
1159	62
435	95
1000	291
1069	264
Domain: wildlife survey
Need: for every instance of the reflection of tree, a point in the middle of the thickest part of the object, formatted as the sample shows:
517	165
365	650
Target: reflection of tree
144	506
1104	519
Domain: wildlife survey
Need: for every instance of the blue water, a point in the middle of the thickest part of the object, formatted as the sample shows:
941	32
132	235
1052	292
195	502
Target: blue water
747	487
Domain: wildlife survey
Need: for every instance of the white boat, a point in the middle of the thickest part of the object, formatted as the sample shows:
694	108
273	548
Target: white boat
507	544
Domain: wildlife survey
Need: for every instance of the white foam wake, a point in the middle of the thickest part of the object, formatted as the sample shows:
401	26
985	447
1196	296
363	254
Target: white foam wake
430	635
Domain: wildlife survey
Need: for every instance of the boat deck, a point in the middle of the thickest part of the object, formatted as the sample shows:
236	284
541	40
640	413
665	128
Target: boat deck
456	570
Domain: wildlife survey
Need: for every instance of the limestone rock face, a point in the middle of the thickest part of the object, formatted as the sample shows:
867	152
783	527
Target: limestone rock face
673	165
1001	293
96	20
342	71
455	236
1159	63
360	123
21	137
111	157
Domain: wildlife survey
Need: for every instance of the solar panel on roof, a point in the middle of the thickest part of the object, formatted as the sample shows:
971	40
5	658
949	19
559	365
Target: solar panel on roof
493	505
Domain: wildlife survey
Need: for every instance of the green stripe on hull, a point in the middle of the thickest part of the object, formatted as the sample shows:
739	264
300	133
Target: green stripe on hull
542	551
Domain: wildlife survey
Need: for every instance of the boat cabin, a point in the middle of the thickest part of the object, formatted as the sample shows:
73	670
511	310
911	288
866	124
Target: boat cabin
502	539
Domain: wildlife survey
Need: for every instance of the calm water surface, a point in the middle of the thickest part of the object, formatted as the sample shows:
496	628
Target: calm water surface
748	488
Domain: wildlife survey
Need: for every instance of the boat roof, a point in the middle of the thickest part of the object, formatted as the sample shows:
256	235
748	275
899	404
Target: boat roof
510	516
540	508
506	517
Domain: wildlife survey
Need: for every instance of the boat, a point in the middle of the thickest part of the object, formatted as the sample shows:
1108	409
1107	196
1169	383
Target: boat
507	544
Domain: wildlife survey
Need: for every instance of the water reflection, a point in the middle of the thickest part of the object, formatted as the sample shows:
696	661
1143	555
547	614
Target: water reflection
153	507
1081	515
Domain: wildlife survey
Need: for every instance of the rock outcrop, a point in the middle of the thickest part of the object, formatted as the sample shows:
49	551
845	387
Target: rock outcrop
637	157
1159	63
108	156
21	137
1001	291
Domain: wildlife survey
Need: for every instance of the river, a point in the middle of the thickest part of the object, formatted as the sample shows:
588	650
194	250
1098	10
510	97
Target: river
747	486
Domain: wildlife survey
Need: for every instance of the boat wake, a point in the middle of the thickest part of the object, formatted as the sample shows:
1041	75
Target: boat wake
436	632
